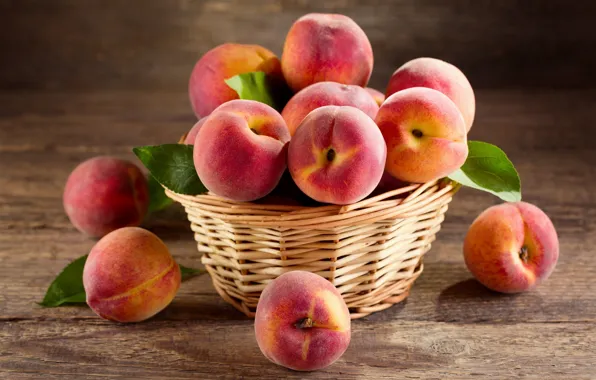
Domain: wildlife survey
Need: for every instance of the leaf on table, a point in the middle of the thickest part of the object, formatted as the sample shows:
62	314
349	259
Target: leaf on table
188	273
488	168
172	165
67	288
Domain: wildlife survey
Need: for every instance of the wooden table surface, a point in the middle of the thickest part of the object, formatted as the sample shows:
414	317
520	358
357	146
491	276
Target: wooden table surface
450	327
83	78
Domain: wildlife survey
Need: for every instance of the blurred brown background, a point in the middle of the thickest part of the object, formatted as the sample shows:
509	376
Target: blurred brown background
140	44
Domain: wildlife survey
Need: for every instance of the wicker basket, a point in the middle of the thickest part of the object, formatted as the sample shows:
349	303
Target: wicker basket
371	250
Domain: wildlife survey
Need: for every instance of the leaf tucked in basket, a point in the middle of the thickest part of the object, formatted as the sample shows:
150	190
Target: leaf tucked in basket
258	86
158	200
489	169
172	165
67	288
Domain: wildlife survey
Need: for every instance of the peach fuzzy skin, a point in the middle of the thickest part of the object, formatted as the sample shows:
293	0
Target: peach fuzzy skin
425	135
207	87
130	276
243	146
302	322
103	194
511	247
326	47
194	131
337	155
377	95
326	94
438	75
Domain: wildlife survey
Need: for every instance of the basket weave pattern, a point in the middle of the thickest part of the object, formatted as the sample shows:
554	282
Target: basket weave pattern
371	250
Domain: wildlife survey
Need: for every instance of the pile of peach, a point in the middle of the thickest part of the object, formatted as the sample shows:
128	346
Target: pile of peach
340	142
336	136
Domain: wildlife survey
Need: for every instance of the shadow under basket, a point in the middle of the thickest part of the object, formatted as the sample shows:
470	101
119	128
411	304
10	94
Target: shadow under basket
371	250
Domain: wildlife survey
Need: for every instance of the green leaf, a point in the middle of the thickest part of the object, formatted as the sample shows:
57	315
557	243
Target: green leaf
158	200
67	288
172	165
254	86
489	169
188	273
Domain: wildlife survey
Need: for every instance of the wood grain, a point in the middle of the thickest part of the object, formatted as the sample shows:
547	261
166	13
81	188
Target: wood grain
450	327
196	349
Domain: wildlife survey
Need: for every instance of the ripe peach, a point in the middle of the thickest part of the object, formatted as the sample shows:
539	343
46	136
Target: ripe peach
326	94
326	47
302	322
130	276
425	135
337	155
207	87
438	75
103	194
511	247
377	95
242	153
194	131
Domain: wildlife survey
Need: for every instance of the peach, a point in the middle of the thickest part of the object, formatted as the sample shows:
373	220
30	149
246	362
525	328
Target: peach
326	47
511	247
194	131
438	75
302	322
103	194
377	95
207	87
337	155
326	94
130	276
243	146
425	135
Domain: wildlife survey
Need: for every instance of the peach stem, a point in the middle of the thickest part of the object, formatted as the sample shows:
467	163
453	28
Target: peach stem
330	155
523	254
305	323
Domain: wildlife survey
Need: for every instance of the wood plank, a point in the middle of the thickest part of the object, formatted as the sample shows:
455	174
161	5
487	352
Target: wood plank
228	350
450	327
96	44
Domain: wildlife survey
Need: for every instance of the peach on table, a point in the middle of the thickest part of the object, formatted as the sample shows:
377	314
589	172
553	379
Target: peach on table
130	276
511	247
302	322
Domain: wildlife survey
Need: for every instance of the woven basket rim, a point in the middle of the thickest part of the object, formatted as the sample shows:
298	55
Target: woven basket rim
410	200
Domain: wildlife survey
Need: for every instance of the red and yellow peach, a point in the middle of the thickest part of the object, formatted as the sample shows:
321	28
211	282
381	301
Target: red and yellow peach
337	155
326	47
511	247
194	131
326	94
130	276
377	95
243	150
103	194
438	75
207	87
425	135
302	322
